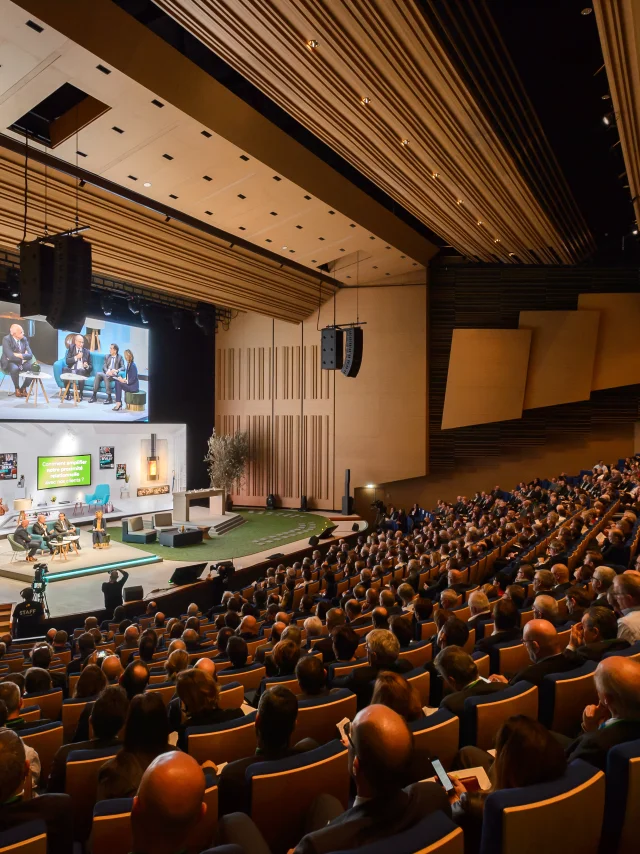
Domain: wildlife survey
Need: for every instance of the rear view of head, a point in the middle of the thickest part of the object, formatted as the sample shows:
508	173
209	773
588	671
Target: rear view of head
109	712
276	718
135	678
311	675
526	754
381	751
393	691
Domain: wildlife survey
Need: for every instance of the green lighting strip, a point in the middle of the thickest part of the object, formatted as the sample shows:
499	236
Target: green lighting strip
104	567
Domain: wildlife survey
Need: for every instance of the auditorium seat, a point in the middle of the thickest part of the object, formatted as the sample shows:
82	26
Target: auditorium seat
45	740
295	781
287	681
27	838
231	696
71	711
427	629
249	677
318	716
31	713
483	716
560	817
166	690
81	783
435	834
420	679
509	658
622	802
418	653
563	697
482	661
50	703
437	735
223	742
338	668
631	652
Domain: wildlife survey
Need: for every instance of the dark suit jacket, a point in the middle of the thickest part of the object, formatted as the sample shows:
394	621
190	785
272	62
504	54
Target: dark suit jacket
40	530
58	773
595	651
325	646
560	589
118	364
535	673
485	644
618	555
54	810
361	680
455	702
376	819
22	536
472	622
70	359
9	349
593	746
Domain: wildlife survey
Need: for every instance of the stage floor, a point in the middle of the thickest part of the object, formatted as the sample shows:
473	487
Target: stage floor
84	593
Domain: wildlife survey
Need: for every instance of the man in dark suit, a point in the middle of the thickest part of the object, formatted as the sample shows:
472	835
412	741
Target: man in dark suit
382	651
594	636
23	538
335	617
479	608
40	530
601	581
41	656
107	718
561	575
506	621
113	363
460	675
614	552
545	652
16	357
54	810
78	361
275	723
616	718
63	528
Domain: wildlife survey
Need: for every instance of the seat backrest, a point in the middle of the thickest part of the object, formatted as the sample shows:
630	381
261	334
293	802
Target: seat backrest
622	803
111	829
27	838
483	715
166	690
45	739
509	658
296	781
437	735
421	680
418	654
31	714
482	663
571	808
50	703
318	717
427	629
231	696
81	782
224	742
289	682
250	679
71	711
563	697
337	669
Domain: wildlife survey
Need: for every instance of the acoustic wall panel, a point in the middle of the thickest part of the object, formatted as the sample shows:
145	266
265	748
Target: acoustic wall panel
487	376
617	360
563	347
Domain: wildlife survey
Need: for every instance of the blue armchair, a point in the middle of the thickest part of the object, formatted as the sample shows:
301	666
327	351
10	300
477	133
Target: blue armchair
97	362
100	497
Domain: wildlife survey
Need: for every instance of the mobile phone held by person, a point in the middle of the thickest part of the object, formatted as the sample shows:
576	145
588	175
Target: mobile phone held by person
442	775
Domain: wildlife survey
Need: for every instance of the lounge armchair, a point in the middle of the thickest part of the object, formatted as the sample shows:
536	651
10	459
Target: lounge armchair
133	531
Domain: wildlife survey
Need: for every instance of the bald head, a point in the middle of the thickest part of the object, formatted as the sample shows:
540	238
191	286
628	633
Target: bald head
541	639
131	634
249	626
112	667
160	821
560	573
208	665
618	684
383	747
178	643
545	608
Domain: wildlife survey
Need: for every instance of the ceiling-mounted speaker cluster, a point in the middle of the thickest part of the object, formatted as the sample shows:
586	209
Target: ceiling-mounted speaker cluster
36	278
353	354
332	344
71	283
335	356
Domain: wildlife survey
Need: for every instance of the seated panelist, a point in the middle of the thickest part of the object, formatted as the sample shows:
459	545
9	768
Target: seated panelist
113	363
127	383
16	357
24	538
99	529
63	528
78	361
40	530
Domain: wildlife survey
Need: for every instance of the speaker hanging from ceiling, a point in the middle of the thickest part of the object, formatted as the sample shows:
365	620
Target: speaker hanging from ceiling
331	345
353	351
71	283
36	277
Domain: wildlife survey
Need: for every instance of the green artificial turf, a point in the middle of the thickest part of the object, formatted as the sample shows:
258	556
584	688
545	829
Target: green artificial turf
263	530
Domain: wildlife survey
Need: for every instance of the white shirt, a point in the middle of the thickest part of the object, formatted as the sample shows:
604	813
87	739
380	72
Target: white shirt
629	625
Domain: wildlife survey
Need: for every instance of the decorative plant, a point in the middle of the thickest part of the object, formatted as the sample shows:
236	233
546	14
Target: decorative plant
54	498
226	459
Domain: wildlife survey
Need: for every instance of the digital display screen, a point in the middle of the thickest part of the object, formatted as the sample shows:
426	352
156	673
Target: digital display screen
58	472
53	375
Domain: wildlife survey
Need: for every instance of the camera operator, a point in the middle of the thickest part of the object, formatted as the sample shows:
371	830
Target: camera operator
112	590
27	616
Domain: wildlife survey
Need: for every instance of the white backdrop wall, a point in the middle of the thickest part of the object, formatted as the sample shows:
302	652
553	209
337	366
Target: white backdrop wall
130	441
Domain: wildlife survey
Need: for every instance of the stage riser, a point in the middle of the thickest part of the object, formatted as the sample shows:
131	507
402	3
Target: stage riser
68	574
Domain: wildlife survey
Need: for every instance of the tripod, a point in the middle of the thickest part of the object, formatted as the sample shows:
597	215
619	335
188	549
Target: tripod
41	596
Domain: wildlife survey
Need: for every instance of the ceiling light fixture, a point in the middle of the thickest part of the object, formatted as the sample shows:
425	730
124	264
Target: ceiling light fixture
496	240
635	231
459	202
512	254
606	120
606	97
435	174
365	101
147	184
404	142
313	44
134	308
586	11
284	247
480	222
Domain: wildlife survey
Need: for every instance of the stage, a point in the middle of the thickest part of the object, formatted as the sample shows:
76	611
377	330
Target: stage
75	584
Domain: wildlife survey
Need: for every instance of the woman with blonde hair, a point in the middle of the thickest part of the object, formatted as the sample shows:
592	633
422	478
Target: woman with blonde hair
127	383
99	530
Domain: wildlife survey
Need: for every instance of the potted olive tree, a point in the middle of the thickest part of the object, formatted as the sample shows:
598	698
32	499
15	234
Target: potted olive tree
226	459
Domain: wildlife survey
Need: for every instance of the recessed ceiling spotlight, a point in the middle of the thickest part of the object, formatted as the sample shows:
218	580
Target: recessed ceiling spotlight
496	240
606	97
606	120
480	222
285	247
459	202
313	44
435	174
404	142
365	101
512	254
587	10
147	184
635	231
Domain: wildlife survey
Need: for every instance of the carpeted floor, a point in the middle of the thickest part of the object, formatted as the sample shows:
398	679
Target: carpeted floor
263	529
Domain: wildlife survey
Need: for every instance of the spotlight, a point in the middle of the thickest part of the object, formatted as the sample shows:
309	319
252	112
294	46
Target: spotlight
635	231
404	142
313	44
177	318
82	184
606	120
144	314
203	321
167	219
106	304
365	101
147	184
586	11
134	308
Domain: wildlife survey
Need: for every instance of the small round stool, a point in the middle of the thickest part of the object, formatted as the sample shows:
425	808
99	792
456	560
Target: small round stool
135	400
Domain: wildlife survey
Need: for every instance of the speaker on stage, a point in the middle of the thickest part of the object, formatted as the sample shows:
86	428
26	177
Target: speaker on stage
331	345
187	574
133	594
36	278
271	501
276	556
353	351
328	532
355	527
313	541
71	283
303	504
347	501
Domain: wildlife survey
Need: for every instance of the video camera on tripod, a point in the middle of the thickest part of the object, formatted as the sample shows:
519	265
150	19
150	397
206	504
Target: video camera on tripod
39	585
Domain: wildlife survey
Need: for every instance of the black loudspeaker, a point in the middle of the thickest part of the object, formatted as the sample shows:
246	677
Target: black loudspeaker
355	527
303	504
276	556
353	355
332	343
327	532
313	541
187	574
71	284
347	501
36	278
133	594
271	501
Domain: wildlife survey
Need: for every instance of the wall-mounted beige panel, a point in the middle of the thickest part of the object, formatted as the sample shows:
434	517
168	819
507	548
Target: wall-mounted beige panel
563	347
487	376
617	359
